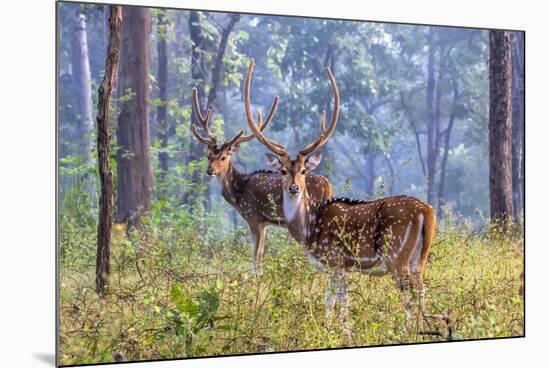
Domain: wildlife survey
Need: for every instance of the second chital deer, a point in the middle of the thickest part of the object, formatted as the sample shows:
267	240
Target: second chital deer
256	196
390	235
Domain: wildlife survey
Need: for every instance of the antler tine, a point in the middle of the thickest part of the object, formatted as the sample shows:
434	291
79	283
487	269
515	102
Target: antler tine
210	140
323	120
325	133
235	139
256	129
264	125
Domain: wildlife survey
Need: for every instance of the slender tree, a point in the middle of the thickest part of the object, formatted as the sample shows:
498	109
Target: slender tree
199	71
103	138
500	126
518	123
162	77
135	183
447	144
431	153
218	65
198	75
82	87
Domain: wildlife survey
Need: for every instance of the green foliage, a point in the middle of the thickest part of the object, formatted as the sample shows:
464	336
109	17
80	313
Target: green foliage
373	64
184	290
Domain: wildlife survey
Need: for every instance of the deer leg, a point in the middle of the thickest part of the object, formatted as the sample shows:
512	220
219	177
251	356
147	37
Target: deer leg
258	233
330	298
337	295
342	298
419	291
405	286
410	292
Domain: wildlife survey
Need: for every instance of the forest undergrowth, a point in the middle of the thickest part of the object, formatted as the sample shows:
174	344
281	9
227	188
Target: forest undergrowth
178	289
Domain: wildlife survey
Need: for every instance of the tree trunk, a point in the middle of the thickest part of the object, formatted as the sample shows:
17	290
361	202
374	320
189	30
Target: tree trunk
105	173
215	81
199	76
500	126
199	80
216	71
163	95
393	176
82	84
370	175
134	189
430	97
518	124
443	169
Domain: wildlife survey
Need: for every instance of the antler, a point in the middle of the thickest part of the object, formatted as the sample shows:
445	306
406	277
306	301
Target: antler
209	140
257	129
325	133
263	125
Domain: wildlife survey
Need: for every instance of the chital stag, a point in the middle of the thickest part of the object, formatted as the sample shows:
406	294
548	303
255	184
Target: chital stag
256	196
391	235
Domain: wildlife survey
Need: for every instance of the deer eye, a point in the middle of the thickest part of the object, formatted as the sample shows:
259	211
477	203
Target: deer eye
304	171
283	172
223	158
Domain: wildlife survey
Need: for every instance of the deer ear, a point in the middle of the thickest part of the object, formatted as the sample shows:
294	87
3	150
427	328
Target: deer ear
273	161
314	160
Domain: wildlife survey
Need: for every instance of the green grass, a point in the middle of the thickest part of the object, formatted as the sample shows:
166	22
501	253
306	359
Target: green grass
182	291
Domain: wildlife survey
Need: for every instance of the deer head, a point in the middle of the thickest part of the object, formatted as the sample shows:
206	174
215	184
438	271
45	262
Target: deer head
219	155
293	172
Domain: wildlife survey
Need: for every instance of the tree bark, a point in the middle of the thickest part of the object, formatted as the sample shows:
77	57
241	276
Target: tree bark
82	84
500	126
162	76
105	173
518	124
135	183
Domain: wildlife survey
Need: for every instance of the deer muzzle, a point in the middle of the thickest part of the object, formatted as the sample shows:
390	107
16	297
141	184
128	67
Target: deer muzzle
293	188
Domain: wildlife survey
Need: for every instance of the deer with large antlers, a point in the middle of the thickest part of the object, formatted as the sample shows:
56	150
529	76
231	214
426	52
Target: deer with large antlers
390	235
256	196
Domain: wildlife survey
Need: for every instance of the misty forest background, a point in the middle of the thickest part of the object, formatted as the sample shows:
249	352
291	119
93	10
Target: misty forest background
433	112
414	117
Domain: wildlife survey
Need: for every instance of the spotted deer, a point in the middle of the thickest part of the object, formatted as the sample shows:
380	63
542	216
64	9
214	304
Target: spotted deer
392	235
256	196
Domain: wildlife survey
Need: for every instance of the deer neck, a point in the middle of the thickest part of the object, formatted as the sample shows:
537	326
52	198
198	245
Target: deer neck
229	184
299	216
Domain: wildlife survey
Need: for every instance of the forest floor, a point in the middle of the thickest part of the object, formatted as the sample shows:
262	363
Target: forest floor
182	291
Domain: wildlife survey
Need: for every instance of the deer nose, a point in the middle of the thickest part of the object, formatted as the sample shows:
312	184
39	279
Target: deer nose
210	171
293	188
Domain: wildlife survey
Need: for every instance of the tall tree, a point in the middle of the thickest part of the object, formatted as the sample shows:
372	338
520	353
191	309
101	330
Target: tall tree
432	119
103	138
135	183
518	123
444	159
200	71
198	75
162	77
500	126
82	89
446	95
